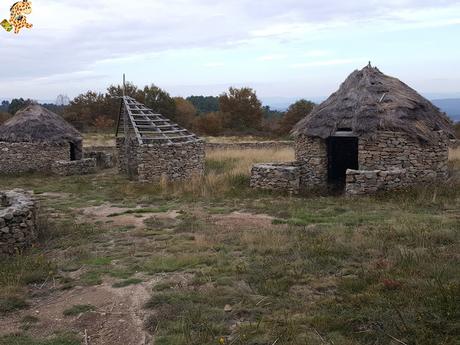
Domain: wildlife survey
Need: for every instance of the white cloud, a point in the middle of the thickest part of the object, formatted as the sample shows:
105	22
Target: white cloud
84	36
272	57
214	64
331	62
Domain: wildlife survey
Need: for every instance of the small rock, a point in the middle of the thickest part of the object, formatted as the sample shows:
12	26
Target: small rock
228	308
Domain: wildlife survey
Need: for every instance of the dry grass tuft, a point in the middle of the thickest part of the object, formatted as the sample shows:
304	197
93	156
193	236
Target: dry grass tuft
226	171
454	154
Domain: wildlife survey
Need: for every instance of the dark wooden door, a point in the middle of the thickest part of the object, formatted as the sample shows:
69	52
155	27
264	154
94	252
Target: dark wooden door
342	155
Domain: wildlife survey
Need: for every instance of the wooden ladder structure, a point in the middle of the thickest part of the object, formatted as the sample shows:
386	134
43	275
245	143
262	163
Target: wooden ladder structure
149	127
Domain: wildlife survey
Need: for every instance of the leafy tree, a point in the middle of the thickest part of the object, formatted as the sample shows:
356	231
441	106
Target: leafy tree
205	104
115	91
18	104
210	124
160	101
4	106
243	109
294	114
185	112
87	107
271	113
457	130
4	116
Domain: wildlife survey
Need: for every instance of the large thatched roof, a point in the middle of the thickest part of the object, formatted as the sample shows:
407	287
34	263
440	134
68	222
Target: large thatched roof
369	101
37	124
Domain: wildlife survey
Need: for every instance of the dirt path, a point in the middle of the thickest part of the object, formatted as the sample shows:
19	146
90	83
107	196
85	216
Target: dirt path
117	317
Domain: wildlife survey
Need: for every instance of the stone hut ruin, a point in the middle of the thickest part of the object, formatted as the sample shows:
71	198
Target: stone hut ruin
36	139
152	148
374	133
18	221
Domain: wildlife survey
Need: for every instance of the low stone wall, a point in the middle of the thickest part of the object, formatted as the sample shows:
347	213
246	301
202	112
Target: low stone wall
390	151
70	168
250	145
311	153
104	159
157	162
16	158
276	176
175	162
18	223
362	182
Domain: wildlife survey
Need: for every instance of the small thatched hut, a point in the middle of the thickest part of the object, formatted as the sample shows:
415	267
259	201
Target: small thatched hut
34	138
375	132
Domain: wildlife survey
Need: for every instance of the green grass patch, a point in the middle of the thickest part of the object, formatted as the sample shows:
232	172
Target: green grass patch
19	339
11	303
135	211
78	309
127	282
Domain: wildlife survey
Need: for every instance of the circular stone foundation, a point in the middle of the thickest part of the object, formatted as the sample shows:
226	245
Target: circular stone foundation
18	224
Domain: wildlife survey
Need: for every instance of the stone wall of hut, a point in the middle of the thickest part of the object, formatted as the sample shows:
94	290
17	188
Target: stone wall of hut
393	151
311	154
70	168
27	157
362	182
155	162
127	151
282	177
18	223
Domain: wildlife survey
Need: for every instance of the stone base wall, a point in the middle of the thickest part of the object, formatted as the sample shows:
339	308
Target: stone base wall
158	162
362	182
127	151
16	158
104	159
18	221
276	176
311	153
395	151
170	162
70	168
275	145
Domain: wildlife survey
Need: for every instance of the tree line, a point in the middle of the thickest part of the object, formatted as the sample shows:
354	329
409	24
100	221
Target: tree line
238	111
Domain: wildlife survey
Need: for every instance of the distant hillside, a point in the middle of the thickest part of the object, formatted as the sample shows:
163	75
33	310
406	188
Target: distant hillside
450	106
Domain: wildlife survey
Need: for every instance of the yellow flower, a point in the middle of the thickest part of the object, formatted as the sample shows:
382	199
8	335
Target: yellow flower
221	341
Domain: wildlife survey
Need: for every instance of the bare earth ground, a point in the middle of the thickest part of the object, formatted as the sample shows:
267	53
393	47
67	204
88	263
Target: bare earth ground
215	263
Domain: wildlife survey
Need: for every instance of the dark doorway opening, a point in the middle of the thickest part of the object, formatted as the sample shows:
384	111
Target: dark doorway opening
342	154
73	152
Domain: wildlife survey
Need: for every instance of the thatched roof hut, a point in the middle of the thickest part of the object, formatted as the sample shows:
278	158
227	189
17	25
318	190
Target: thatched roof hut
39	125
370	101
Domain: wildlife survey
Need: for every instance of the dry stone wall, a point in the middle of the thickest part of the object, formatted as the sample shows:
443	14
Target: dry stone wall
362	182
283	177
18	158
156	162
174	162
70	168
389	151
18	221
311	154
127	151
104	159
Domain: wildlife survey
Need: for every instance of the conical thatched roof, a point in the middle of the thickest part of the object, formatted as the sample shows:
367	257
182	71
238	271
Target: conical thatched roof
37	124
369	101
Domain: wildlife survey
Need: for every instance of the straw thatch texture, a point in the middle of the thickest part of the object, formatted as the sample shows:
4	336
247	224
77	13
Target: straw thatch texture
37	124
370	101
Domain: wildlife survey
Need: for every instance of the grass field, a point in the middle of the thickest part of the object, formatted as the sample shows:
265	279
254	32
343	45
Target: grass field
213	262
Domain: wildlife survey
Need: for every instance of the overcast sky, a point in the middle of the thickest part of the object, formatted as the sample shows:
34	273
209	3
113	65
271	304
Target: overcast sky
287	48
